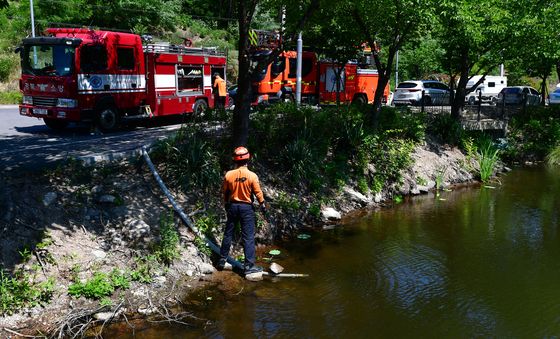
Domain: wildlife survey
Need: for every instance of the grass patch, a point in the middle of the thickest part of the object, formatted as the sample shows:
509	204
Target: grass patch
488	157
101	285
21	291
10	97
167	249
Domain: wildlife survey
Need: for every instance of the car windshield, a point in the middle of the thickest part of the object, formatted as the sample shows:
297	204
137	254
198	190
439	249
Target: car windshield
48	60
407	85
556	91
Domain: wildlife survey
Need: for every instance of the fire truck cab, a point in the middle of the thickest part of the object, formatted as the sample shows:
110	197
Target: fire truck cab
74	75
277	82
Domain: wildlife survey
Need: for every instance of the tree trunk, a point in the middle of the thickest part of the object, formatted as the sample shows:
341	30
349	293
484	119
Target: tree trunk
543	89
382	82
384	72
242	108
459	96
558	69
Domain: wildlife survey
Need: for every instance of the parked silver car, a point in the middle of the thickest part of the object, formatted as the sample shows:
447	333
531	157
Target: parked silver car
410	93
519	95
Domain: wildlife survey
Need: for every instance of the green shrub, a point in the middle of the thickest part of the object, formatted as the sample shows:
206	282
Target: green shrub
10	97
120	279
167	249
189	160
389	156
488	156
445	129
144	268
6	67
99	286
206	224
20	291
298	159
403	124
553	158
287	203
533	134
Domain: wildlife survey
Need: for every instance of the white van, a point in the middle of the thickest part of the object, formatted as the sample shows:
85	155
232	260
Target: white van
488	89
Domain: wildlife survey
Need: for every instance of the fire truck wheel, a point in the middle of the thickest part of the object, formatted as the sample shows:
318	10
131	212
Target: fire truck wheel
359	100
108	118
55	124
199	108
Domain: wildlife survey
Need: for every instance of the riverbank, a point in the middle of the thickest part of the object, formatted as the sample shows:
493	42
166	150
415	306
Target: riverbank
92	226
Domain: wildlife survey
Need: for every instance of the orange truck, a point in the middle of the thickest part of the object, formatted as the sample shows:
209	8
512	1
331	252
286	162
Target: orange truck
277	82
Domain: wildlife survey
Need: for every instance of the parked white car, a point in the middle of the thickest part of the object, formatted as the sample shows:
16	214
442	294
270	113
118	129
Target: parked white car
554	97
410	93
488	89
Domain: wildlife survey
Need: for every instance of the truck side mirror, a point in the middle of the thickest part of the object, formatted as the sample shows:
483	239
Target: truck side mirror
18	49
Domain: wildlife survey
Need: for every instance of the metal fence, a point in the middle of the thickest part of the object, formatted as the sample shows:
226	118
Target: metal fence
436	103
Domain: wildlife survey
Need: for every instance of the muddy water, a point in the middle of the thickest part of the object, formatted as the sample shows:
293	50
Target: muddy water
476	262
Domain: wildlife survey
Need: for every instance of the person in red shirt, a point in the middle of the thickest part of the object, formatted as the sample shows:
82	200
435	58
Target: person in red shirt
239	188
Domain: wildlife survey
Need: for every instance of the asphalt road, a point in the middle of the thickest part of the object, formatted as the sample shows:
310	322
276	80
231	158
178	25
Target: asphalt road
26	143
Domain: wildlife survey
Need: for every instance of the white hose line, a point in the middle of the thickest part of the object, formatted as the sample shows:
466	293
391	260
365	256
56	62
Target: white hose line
182	214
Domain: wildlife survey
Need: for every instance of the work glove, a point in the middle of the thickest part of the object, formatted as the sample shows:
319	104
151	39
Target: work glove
263	208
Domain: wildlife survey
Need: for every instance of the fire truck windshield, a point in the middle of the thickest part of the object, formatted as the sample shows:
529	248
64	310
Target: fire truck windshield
49	60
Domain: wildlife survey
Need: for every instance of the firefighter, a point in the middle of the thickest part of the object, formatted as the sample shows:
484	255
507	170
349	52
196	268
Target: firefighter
239	188
219	91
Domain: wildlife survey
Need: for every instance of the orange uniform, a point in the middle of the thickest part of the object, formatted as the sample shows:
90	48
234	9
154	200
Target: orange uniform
239	184
220	85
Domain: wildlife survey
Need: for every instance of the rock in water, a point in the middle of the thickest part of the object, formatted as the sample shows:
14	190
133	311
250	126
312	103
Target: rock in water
330	213
275	268
254	276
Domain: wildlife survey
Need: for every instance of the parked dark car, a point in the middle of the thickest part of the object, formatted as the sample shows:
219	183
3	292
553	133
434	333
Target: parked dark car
232	92
519	95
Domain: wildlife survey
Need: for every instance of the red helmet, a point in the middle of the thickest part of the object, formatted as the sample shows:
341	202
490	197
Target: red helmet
241	153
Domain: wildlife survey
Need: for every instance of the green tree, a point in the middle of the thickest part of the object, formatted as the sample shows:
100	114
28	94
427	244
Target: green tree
298	13
386	25
475	36
539	49
420	59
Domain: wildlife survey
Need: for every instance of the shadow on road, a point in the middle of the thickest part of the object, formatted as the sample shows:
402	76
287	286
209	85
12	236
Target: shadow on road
41	147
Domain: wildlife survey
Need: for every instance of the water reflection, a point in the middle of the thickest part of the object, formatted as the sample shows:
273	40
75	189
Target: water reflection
482	263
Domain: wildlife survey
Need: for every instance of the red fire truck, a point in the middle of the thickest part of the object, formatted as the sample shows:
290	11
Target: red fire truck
80	74
319	81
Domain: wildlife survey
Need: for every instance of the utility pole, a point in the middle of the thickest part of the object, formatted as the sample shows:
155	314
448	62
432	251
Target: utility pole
298	73
32	18
397	69
33	32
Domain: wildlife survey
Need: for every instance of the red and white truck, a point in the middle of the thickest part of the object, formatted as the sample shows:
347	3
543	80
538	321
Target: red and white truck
319	81
105	77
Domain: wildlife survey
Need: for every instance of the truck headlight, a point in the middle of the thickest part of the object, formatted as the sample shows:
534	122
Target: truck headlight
27	100
66	103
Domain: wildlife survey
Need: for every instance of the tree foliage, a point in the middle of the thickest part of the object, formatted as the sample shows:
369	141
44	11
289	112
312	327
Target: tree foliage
475	36
386	26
